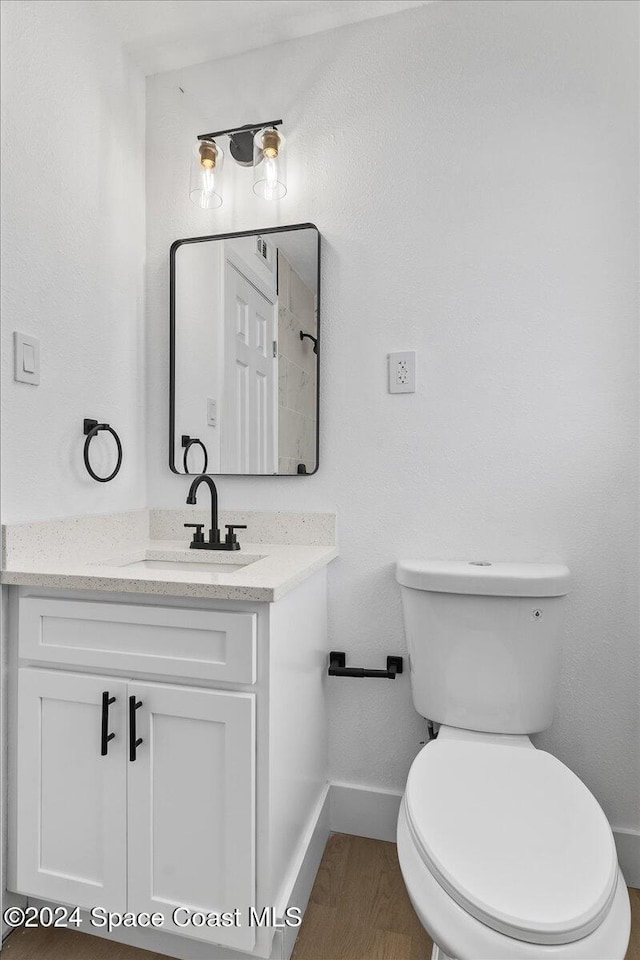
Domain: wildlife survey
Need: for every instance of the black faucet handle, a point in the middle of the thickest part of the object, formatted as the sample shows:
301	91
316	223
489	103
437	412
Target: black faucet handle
231	538
198	536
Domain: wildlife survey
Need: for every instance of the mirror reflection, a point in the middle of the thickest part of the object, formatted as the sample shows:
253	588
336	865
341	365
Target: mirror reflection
244	353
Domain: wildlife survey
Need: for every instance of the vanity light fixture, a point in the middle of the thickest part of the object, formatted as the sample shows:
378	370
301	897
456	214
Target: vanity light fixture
258	145
207	160
269	164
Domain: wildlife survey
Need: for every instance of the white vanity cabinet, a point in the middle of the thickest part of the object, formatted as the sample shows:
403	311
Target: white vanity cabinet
191	810
173	827
170	755
71	815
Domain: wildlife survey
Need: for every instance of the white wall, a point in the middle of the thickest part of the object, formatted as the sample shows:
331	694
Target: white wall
473	169
72	258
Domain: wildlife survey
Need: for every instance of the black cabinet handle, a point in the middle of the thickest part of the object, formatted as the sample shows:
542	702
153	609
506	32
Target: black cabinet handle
105	735
133	742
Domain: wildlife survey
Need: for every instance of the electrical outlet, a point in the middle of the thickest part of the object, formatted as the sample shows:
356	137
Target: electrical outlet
402	372
212	413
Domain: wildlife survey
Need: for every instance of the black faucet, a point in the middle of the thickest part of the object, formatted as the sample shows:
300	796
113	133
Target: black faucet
214	542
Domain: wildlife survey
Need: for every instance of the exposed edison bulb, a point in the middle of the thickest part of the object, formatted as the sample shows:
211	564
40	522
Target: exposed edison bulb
271	143
269	164
208	154
207	160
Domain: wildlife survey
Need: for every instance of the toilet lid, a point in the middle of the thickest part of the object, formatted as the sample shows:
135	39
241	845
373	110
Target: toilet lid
514	837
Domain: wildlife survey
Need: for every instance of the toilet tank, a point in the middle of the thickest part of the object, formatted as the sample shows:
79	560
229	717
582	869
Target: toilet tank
483	641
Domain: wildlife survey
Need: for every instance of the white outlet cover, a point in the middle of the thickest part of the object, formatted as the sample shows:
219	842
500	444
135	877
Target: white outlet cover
402	372
212	412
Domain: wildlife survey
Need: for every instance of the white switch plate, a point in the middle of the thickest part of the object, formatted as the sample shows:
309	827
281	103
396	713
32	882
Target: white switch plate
212	412
402	372
26	353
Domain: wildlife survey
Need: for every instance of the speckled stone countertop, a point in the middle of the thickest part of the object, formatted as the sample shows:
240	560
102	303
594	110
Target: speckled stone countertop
104	553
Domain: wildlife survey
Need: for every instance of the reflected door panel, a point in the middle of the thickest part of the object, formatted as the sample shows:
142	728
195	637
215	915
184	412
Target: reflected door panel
249	431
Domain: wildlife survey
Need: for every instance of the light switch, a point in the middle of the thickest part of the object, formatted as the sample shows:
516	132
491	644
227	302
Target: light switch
26	358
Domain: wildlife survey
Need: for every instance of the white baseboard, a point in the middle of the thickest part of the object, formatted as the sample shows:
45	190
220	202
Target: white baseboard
314	844
366	812
628	846
363	811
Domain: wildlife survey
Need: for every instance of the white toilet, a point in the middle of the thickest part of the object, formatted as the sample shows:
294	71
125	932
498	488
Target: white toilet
504	851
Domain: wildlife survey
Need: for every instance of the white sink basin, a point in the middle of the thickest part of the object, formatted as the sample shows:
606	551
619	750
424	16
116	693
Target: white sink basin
188	566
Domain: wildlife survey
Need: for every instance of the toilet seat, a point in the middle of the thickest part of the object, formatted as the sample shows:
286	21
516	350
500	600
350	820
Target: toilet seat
513	836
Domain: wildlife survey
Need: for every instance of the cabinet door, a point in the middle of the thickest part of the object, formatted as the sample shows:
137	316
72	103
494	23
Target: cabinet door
191	808
71	799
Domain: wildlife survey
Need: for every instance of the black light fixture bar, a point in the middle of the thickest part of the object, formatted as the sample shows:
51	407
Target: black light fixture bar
247	128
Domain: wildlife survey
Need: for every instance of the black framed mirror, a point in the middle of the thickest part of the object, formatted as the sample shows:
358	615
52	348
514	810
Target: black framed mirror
245	353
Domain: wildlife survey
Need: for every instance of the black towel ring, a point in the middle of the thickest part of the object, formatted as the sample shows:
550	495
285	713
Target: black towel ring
91	429
187	443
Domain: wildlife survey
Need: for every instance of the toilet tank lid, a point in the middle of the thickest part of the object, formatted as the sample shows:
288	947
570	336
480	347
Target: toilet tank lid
485	577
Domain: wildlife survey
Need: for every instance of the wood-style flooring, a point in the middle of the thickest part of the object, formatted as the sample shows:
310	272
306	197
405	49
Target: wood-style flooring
359	910
359	907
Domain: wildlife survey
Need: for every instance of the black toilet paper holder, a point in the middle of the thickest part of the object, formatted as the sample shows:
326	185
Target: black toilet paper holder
338	667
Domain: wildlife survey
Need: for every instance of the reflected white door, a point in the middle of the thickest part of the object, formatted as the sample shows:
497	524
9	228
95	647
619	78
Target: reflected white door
249	428
72	798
